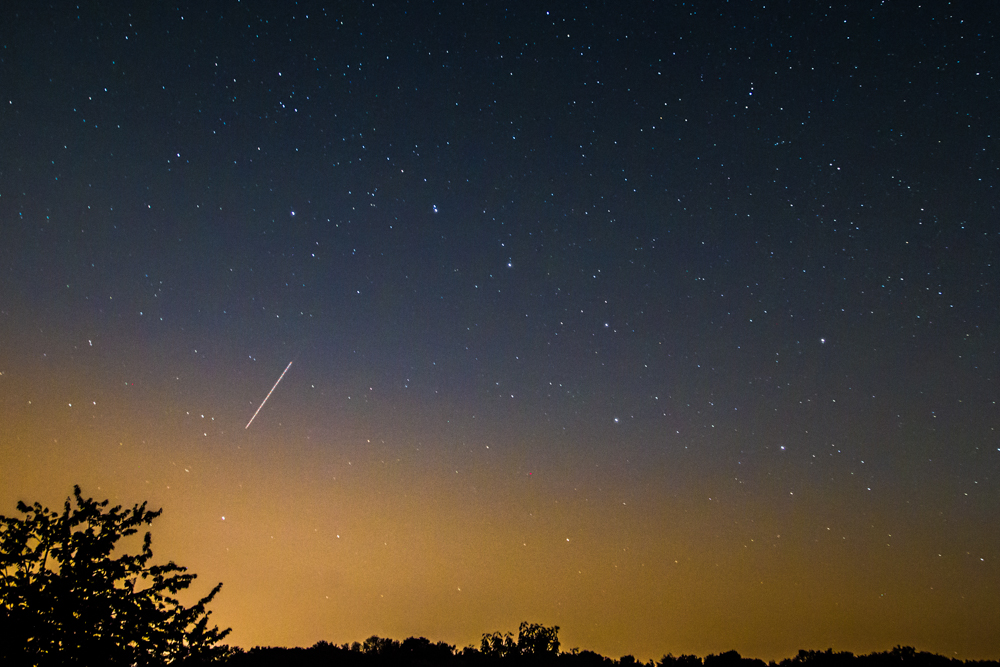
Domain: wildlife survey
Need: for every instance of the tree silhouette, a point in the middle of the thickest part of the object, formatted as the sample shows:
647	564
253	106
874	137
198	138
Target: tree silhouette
533	640
495	645
65	600
501	649
732	659
420	651
381	646
670	660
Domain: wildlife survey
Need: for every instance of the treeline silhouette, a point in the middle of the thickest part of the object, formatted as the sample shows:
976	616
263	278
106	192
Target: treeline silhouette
538	646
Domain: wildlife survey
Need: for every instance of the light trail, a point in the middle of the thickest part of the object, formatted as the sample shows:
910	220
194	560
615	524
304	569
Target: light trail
268	395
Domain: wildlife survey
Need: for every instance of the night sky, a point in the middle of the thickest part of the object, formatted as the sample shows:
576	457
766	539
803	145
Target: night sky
673	324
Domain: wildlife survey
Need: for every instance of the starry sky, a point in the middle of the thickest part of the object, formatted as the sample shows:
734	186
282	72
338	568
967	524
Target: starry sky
673	324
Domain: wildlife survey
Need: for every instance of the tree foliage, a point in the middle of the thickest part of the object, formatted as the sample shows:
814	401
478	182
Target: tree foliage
533	640
68	597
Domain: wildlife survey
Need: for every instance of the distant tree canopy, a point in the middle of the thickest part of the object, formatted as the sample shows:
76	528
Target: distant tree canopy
533	640
65	598
502	649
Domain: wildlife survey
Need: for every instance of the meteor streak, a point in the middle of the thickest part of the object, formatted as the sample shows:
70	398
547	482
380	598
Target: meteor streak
268	395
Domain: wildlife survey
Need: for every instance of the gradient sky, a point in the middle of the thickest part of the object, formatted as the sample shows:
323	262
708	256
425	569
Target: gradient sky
672	324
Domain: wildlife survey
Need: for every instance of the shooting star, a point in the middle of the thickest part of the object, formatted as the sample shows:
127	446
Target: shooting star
268	395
